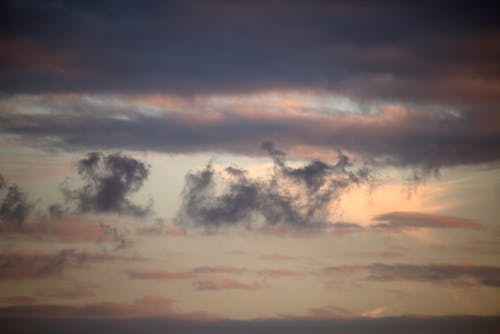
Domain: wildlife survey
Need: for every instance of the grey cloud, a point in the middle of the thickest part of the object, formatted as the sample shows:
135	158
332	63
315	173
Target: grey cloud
119	236
56	211
384	50
291	197
433	273
40	318
108	182
483	275
426	138
34	265
14	207
400	221
15	266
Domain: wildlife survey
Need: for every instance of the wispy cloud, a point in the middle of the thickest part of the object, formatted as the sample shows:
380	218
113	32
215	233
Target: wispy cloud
38	265
223	283
156	274
296	198
431	273
401	221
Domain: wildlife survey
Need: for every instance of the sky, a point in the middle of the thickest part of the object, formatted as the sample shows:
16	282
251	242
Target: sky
249	167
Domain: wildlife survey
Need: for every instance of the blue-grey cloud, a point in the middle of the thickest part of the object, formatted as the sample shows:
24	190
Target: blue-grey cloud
108	181
61	319
400	221
428	138
292	197
384	50
433	273
15	206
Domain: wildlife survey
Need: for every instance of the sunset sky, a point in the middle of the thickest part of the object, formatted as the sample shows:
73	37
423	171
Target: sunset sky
249	167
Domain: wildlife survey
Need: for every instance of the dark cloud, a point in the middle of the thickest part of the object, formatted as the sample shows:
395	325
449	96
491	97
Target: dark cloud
36	265
400	221
14	207
425	137
56	211
433	273
386	50
292	197
482	275
111	318
32	265
118	235
108	182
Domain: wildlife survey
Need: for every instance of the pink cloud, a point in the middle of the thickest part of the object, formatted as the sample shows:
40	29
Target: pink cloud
330	311
66	293
154	300
374	313
155	274
33	264
66	229
19	300
174	231
279	273
400	221
223	283
218	269
146	306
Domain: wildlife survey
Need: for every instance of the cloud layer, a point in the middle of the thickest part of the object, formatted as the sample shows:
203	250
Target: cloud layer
401	135
383	50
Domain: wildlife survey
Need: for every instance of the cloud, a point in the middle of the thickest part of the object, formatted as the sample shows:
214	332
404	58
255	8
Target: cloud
66	293
108	182
64	229
19	300
223	283
153	300
280	257
432	273
374	313
479	274
297	198
147	306
275	273
330	312
438	136
127	317
38	265
156	274
29	265
175	231
350	48
118	235
400	221
14	207
218	270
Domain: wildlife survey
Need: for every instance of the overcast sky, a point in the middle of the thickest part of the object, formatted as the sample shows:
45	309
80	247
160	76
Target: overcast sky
249	166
